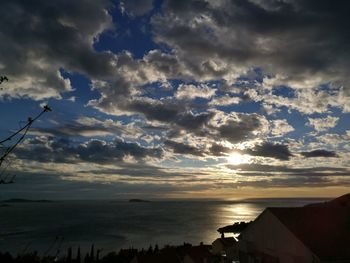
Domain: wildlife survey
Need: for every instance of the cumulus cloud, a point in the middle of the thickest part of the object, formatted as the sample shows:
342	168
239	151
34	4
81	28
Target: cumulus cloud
219	150
281	127
250	33
44	37
334	139
234	52
323	124
306	101
273	150
191	91
224	101
61	150
237	127
181	148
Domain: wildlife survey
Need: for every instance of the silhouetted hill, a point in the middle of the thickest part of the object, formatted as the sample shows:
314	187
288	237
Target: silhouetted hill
20	200
138	200
342	201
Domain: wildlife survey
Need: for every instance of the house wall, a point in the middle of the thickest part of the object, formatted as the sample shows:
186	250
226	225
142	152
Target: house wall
231	253
267	235
188	259
217	247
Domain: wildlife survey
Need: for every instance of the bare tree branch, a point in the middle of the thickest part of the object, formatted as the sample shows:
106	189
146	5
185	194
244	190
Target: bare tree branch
25	130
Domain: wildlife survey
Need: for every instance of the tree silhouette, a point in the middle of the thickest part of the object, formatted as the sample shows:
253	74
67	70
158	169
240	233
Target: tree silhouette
20	135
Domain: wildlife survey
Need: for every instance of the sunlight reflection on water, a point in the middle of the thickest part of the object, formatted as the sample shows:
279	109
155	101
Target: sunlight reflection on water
115	225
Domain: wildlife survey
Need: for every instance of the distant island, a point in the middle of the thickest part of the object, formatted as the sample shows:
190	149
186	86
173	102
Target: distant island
21	200
138	200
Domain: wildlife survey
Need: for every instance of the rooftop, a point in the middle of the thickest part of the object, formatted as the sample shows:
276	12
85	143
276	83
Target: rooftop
324	228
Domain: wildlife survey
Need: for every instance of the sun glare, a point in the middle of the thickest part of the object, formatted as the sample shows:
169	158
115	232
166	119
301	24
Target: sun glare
237	158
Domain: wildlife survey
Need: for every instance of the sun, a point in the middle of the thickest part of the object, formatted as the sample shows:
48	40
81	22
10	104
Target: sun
237	158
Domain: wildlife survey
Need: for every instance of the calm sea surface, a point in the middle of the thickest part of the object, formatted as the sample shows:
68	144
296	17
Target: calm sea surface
111	225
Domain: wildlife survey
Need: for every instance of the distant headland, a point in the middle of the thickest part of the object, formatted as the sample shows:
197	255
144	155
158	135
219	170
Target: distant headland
21	200
138	200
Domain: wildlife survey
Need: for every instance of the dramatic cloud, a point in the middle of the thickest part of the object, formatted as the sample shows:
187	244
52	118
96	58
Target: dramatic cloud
236	127
90	127
219	150
267	149
250	33
306	101
47	149
193	85
181	148
40	39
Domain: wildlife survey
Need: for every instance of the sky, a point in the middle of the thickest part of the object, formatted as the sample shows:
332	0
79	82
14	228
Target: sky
162	99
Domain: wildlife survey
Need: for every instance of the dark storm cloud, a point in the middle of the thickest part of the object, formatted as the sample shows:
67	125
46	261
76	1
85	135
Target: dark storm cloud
170	112
268	149
319	153
302	39
101	152
194	122
75	130
89	127
38	38
48	149
218	150
155	110
240	128
181	148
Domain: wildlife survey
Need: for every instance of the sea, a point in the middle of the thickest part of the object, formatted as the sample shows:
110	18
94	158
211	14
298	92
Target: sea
51	227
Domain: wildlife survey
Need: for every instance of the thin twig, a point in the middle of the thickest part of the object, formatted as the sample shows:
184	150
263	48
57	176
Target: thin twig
25	129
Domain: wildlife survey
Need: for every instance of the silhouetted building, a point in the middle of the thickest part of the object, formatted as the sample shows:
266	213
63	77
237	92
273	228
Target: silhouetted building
226	248
199	254
164	256
313	233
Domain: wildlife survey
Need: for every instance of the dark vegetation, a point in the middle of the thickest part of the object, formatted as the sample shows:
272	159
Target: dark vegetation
94	256
124	256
